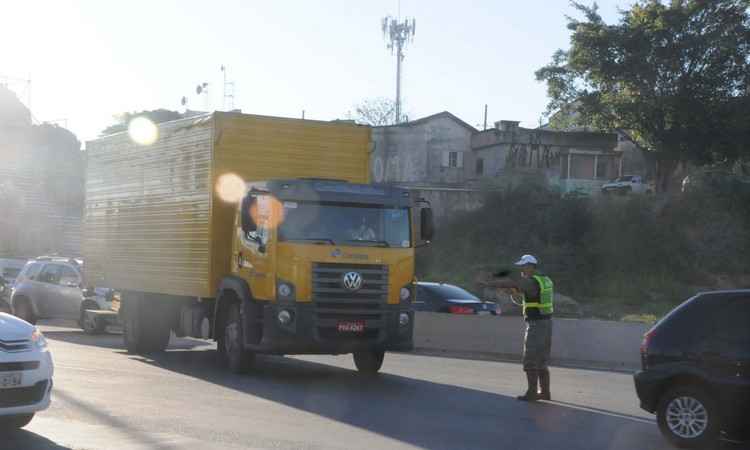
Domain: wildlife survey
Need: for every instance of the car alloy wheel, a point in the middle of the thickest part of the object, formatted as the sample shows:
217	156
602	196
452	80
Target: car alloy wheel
687	417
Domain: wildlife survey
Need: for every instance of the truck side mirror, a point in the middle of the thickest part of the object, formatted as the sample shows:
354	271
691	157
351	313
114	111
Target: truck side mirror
246	218
427	224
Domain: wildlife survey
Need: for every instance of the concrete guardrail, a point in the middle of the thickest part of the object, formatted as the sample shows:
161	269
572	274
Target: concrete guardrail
577	342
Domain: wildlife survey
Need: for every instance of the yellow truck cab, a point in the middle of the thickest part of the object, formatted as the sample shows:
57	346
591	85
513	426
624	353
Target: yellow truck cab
320	266
261	233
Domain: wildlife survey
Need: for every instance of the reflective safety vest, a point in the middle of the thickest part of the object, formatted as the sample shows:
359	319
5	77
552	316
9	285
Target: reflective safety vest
544	302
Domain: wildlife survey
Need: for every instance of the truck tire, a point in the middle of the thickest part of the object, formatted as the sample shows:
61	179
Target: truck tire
237	359
369	362
144	328
11	423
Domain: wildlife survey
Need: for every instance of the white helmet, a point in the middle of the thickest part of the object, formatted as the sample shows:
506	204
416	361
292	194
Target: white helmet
527	259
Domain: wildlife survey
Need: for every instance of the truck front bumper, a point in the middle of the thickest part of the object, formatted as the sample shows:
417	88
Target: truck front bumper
310	332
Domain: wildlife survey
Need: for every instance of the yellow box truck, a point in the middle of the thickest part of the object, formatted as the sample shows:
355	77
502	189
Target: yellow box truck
258	232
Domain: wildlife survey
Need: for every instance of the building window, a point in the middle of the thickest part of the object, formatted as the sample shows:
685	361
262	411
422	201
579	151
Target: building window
480	166
453	159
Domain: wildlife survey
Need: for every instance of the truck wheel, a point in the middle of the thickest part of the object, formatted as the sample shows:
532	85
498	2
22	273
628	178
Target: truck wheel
237	358
143	329
22	310
688	418
90	325
10	423
369	362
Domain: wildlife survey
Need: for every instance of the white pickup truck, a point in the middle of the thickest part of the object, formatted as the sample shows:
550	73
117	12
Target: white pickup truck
627	184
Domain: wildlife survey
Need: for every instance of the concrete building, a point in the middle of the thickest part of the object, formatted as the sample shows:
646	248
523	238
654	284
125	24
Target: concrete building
41	184
430	151
450	163
569	161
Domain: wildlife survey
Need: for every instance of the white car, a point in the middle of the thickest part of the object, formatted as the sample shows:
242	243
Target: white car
26	370
628	184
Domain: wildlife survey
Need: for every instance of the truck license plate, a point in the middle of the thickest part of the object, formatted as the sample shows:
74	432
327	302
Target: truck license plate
351	327
10	380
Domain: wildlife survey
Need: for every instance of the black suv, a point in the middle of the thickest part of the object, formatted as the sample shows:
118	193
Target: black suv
696	369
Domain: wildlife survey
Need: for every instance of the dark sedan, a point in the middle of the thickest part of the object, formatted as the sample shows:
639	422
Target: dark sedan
447	298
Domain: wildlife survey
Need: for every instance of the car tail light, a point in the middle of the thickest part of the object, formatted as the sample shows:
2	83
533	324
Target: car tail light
461	310
646	341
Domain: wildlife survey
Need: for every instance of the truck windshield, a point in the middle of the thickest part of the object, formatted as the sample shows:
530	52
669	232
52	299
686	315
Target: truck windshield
337	224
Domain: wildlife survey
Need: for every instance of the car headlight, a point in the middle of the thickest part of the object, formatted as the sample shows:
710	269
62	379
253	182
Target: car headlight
405	294
38	339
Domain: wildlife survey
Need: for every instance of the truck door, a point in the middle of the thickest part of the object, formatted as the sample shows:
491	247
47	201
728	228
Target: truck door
255	255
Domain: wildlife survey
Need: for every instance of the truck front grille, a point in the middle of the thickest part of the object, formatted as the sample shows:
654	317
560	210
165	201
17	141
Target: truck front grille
334	303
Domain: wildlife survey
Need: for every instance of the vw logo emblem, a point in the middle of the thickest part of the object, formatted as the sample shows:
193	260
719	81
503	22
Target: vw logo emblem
352	281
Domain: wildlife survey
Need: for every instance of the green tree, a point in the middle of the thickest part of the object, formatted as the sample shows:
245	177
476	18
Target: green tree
156	116
676	76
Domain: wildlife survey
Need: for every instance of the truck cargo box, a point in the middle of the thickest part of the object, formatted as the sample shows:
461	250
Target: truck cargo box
154	219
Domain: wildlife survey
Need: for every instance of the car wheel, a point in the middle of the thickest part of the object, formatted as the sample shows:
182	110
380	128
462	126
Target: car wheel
23	310
10	423
688	417
237	358
369	362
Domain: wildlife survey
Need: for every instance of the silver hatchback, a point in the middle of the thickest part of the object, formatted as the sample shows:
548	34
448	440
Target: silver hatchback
51	288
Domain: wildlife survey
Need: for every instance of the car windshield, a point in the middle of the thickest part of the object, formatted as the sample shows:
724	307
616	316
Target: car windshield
626	178
337	224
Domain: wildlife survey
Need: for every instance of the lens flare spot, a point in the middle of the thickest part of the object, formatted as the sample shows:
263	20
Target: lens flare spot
268	211
143	131
230	188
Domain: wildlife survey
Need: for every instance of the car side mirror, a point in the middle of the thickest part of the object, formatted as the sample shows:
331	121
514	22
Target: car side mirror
246	218
426	224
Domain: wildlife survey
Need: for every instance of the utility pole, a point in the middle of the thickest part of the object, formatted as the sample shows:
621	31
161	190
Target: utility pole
398	33
485	117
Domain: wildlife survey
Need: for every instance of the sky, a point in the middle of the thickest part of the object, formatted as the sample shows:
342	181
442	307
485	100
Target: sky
89	60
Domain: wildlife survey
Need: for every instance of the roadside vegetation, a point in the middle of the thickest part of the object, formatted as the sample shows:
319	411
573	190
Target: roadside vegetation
635	256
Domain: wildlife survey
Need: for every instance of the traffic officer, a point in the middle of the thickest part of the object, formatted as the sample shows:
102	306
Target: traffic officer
537	292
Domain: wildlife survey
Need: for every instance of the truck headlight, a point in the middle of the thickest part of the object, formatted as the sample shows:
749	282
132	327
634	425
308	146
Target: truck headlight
403	319
284	290
405	294
284	317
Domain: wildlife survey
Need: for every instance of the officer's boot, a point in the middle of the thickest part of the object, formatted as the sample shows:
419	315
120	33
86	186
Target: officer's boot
532	376
544	393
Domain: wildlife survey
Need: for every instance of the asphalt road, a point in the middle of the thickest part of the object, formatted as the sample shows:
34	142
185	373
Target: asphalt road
107	399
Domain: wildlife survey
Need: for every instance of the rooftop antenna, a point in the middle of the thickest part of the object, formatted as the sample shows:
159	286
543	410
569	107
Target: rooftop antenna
202	88
228	101
398	33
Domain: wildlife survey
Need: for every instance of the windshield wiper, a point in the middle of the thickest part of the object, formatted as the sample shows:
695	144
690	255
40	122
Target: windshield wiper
316	240
368	241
